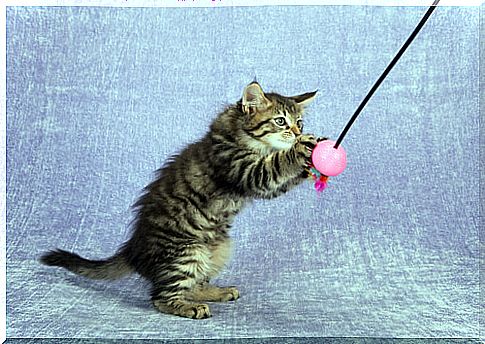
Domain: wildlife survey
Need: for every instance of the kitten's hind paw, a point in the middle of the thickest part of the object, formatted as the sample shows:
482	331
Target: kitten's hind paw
229	294
211	293
184	309
198	311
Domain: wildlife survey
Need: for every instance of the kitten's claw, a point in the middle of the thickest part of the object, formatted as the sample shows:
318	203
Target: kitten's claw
304	147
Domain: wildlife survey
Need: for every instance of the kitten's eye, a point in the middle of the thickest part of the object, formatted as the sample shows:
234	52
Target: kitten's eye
280	121
299	123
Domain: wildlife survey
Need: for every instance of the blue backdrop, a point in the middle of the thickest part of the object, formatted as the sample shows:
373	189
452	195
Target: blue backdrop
98	98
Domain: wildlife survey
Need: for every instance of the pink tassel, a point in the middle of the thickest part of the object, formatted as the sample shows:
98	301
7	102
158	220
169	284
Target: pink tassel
320	185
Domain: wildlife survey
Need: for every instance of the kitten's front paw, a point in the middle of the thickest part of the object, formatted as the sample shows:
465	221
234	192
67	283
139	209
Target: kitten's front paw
304	146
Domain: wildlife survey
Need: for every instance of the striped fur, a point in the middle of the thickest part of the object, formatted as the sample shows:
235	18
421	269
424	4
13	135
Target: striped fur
180	240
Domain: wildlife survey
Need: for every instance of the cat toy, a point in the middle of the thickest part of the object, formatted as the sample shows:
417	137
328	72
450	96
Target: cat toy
329	159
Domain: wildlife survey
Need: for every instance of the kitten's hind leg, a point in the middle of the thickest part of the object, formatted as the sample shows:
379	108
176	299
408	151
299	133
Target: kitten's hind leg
171	299
211	293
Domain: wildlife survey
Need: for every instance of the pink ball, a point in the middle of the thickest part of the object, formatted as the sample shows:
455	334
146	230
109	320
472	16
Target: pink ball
328	160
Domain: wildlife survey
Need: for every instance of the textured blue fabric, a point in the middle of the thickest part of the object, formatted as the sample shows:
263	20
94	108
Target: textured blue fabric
273	340
98	98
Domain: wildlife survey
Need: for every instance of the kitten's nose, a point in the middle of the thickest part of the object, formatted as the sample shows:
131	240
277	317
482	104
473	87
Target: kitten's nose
295	130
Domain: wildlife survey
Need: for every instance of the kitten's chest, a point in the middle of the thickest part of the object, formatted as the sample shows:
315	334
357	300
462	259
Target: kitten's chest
224	209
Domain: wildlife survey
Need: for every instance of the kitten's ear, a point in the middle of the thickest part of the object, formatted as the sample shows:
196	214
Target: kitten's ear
305	99
254	99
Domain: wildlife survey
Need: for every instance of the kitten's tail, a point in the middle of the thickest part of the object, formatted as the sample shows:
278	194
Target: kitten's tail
109	269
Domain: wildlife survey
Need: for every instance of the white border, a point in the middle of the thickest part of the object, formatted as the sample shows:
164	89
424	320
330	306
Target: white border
226	3
3	172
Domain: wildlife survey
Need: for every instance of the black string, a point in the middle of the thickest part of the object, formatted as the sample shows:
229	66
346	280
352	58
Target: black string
384	74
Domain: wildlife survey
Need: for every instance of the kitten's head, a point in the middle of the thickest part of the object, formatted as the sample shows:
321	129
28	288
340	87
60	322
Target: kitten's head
272	120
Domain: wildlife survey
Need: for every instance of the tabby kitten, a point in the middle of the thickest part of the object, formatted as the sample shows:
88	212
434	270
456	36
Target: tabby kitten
180	240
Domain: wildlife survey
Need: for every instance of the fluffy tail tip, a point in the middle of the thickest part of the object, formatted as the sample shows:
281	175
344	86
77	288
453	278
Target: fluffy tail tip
54	257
